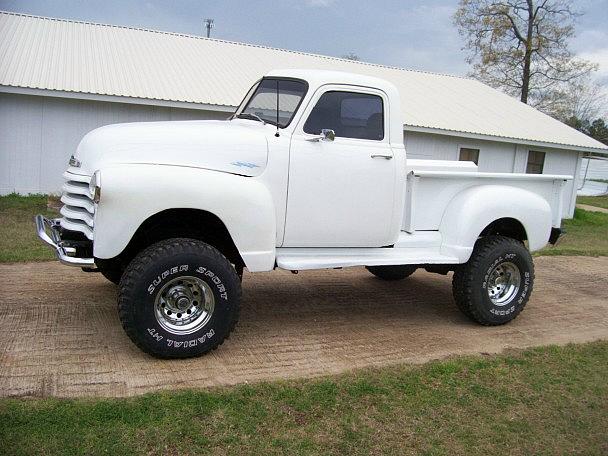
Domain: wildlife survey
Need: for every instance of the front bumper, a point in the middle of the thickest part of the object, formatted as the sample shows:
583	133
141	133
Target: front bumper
49	231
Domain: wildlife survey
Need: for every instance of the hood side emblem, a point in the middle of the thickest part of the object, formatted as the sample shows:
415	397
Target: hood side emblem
244	164
74	162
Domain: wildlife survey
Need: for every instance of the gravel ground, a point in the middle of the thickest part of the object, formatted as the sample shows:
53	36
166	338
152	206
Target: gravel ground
60	334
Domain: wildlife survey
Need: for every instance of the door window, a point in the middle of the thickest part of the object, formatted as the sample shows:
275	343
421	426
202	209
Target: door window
349	115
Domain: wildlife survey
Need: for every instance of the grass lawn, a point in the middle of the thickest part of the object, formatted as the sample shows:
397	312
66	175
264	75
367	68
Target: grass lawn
587	232
544	401
18	239
597	201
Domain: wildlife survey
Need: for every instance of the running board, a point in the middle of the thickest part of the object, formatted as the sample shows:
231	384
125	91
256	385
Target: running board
324	258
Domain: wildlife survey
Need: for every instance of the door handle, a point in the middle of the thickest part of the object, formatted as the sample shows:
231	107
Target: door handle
386	157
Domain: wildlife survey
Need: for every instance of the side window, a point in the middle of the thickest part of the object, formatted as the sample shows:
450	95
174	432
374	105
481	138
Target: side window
536	162
349	115
468	154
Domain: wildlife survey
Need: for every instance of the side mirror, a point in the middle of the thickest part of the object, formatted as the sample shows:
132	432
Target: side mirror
327	134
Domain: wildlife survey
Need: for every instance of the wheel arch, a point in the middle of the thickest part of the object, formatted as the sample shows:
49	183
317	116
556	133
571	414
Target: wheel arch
140	202
506	226
494	209
183	223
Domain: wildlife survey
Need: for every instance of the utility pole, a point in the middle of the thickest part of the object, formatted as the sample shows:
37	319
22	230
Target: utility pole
208	25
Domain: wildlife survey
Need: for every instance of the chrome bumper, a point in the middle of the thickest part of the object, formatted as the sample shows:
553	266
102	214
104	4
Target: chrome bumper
48	231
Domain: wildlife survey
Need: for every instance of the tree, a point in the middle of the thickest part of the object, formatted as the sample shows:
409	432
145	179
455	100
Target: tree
521	46
350	56
599	130
583	98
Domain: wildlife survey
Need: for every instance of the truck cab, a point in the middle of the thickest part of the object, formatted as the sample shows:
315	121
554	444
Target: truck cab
310	172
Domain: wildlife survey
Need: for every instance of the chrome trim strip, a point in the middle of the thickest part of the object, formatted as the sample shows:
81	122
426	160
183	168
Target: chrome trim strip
53	239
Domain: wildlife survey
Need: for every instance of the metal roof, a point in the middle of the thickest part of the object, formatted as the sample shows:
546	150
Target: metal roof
75	57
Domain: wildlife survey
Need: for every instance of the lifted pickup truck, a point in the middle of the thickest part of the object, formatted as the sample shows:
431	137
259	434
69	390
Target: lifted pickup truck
310	172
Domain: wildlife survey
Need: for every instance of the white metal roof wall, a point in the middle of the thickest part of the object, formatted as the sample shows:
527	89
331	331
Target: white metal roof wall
62	55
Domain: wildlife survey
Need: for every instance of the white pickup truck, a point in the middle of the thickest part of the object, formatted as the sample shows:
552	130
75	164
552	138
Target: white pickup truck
309	173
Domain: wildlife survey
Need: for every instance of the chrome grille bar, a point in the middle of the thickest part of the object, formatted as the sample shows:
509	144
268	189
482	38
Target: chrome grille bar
78	210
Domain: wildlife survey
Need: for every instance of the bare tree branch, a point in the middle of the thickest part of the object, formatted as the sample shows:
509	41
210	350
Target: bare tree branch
521	46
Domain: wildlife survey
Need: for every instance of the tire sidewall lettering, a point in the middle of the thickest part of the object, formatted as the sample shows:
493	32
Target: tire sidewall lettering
522	294
216	281
205	335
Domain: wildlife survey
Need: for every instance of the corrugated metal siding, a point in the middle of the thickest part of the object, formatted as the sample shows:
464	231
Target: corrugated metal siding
82	57
493	156
590	170
40	133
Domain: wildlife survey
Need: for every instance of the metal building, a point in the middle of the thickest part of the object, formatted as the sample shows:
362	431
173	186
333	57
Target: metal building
60	79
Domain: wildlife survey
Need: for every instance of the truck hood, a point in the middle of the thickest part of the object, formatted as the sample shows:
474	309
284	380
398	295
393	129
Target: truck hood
238	147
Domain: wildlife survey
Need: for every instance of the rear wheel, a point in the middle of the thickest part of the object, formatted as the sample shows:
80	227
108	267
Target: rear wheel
493	287
392	272
179	298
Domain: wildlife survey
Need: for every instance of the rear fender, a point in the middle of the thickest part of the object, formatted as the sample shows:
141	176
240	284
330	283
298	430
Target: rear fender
130	194
474	208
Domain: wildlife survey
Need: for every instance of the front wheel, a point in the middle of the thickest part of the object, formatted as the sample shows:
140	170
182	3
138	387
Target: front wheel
179	298
493	287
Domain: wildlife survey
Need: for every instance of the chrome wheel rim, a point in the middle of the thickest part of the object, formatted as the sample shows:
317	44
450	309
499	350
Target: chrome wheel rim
184	305
503	283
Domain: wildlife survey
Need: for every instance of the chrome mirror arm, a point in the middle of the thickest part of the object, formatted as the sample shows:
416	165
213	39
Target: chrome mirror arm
326	135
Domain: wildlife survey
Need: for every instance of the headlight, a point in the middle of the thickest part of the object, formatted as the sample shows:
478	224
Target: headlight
95	187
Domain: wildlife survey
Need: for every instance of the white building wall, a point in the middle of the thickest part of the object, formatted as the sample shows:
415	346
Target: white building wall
493	156
499	157
38	134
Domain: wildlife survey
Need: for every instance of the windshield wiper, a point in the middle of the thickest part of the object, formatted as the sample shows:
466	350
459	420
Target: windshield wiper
246	115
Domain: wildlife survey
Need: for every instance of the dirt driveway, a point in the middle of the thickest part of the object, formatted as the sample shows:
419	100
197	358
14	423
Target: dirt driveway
60	334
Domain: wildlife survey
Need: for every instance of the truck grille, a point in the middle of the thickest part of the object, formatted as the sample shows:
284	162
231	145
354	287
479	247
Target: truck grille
78	210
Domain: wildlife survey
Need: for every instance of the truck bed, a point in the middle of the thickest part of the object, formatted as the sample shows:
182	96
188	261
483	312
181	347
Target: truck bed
431	186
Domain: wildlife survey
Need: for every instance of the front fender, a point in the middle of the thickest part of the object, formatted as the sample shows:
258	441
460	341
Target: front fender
130	194
474	208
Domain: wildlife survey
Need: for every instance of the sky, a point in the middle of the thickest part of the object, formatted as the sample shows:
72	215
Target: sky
413	34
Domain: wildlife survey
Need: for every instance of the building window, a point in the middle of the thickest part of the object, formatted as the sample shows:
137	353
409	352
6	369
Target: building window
469	155
536	162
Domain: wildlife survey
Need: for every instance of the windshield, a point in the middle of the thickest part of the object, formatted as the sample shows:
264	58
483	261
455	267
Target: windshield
262	105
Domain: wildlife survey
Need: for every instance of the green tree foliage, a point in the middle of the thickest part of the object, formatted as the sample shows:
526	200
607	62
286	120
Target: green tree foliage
597	129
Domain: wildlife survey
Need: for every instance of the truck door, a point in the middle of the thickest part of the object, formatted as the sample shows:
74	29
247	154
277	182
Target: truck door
340	192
